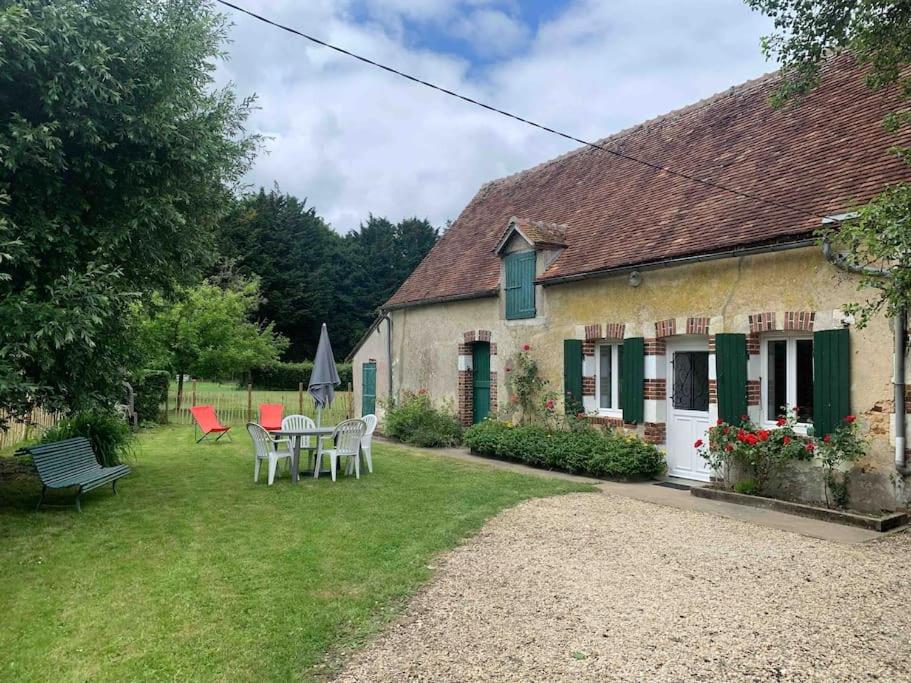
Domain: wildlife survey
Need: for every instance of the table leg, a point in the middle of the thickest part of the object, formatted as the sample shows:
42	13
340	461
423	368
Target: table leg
319	456
295	458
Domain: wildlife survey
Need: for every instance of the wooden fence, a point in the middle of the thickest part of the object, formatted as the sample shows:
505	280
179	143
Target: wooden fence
30	428
237	407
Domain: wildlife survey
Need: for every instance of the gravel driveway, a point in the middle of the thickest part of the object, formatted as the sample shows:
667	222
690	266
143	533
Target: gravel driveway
592	587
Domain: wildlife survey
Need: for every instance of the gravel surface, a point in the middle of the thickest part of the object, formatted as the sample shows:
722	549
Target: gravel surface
592	587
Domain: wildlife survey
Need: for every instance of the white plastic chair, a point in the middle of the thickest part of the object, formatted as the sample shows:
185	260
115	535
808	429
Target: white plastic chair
265	448
367	441
301	422
347	438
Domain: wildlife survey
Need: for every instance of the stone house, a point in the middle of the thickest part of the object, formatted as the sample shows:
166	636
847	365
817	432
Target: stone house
657	302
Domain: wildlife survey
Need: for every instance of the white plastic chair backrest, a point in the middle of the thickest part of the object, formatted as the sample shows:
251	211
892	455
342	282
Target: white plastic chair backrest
370	421
348	435
262	442
299	422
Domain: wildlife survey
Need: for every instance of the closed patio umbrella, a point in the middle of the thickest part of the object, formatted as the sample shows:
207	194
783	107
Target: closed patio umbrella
324	377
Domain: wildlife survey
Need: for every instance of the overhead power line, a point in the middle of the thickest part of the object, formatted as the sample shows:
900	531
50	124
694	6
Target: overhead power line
515	117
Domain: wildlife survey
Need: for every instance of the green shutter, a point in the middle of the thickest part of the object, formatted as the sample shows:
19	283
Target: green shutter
368	389
632	380
572	372
480	380
731	376
831	379
520	285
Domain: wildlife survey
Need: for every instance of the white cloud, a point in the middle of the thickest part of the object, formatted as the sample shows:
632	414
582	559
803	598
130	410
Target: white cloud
355	140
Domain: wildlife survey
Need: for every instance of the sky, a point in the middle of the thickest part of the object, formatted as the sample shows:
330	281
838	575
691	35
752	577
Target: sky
355	140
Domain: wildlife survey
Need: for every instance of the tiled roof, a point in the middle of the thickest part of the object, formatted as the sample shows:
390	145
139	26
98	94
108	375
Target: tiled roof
823	154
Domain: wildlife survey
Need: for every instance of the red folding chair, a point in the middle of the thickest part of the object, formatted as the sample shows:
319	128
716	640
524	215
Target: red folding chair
270	416
207	422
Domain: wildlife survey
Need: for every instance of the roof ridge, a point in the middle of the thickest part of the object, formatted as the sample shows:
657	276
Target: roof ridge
623	133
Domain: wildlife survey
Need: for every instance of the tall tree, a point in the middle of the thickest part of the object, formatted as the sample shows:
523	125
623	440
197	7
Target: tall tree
208	331
117	157
311	274
878	33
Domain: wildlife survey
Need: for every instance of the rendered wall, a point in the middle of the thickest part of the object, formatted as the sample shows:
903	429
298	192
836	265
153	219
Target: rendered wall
426	339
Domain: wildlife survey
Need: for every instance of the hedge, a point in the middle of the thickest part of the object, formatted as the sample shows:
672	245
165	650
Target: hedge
287	376
151	390
609	455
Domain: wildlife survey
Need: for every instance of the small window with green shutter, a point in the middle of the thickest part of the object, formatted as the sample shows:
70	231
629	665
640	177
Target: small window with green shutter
520	285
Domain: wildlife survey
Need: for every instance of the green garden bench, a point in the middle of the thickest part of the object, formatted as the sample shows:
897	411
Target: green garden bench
70	464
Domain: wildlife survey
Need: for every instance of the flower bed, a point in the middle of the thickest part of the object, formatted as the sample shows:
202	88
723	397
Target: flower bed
748	457
579	450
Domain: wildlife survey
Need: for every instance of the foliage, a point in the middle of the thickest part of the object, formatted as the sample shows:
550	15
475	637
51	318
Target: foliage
77	568
878	33
287	376
111	436
117	156
151	389
311	274
207	331
528	390
747	486
764	451
834	450
880	236
608	454
416	421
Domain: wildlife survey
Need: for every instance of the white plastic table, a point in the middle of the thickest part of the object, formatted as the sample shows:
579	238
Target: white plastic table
296	435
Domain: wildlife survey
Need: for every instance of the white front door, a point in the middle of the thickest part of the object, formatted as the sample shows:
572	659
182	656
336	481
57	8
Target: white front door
687	407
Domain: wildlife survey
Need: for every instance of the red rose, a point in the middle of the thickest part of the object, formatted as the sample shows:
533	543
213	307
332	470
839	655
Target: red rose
719	421
550	404
763	434
751	439
781	422
786	440
850	418
726	430
526	347
810	447
745	418
698	443
827	438
729	447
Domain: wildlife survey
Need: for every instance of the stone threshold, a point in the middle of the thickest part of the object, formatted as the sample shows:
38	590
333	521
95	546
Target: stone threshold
880	523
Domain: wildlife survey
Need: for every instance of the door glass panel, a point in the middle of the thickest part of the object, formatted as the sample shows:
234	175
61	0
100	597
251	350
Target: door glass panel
805	380
777	383
604	375
691	380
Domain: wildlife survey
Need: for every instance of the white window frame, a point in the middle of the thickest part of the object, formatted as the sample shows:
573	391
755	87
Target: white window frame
790	378
615	375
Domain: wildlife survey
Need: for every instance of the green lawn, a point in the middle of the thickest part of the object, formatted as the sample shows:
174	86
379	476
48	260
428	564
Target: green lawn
193	572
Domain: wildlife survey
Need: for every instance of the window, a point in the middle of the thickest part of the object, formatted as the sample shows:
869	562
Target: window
788	378
691	380
609	361
520	284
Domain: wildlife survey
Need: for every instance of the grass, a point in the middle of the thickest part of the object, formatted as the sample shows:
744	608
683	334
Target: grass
193	572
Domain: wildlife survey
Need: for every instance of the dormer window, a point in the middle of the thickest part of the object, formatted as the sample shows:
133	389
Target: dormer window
526	248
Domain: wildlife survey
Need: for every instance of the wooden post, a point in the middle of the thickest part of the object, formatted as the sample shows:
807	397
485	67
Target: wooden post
300	398
249	402
193	393
349	403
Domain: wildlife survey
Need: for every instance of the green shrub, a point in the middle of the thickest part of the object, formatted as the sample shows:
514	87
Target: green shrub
483	437
747	486
287	376
111	436
416	421
582	450
151	390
